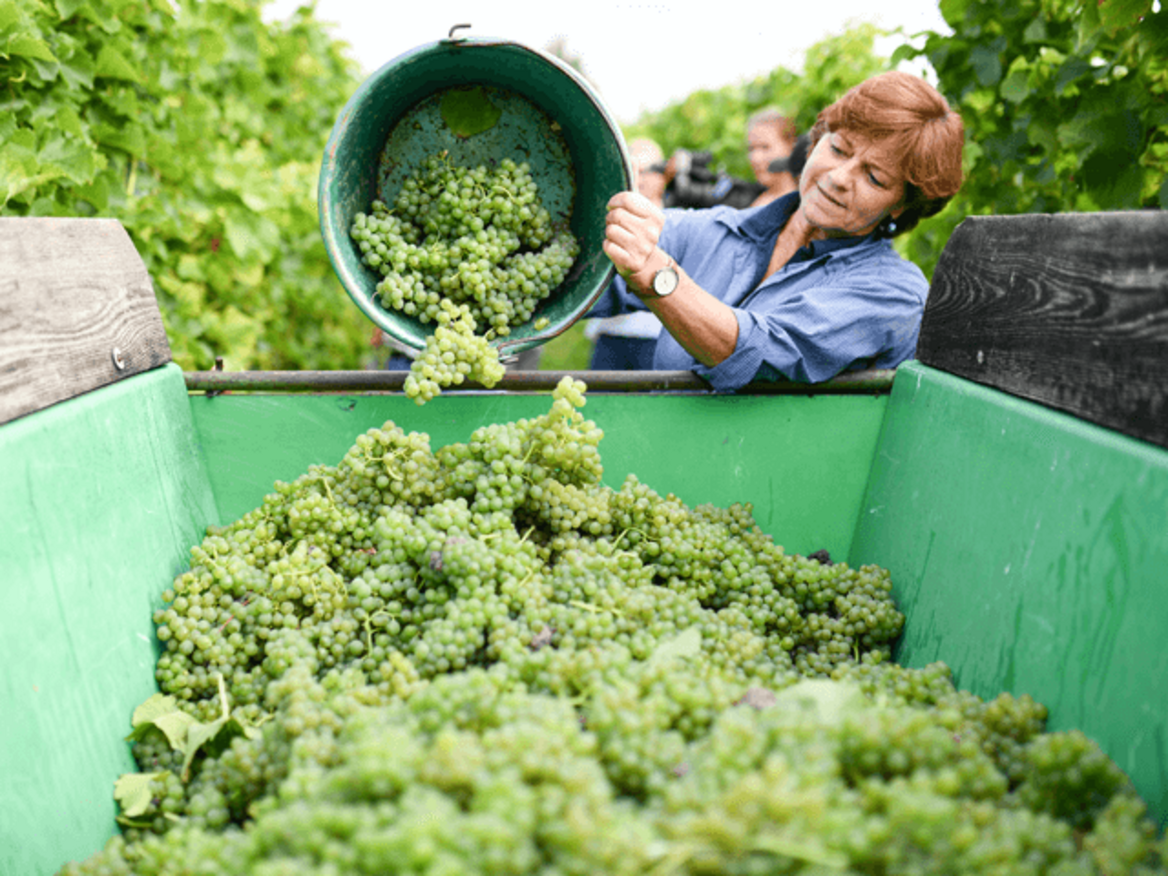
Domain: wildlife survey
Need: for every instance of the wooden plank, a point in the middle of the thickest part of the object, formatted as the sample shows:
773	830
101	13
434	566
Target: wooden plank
77	311
1068	310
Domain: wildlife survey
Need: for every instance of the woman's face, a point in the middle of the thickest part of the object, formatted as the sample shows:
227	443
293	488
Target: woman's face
849	185
764	144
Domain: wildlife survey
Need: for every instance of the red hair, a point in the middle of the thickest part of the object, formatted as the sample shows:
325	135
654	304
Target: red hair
914	122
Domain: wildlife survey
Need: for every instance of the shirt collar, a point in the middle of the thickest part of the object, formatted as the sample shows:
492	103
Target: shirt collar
761	225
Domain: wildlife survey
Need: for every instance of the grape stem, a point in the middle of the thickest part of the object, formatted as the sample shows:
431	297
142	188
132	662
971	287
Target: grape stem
595	609
385	460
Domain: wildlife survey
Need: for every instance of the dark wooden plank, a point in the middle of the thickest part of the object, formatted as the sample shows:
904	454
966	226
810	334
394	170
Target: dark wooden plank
77	311
1068	310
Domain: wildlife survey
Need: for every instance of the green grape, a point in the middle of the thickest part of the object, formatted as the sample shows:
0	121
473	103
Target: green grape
472	250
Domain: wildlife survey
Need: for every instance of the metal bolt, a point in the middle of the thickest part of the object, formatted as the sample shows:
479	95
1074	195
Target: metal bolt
119	360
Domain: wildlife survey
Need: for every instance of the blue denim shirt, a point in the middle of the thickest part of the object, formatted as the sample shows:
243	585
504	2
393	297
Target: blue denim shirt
837	305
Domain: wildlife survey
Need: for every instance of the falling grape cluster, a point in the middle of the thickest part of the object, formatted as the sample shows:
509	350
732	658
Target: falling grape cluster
481	659
471	250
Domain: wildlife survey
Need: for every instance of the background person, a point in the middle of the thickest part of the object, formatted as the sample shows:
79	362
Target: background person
775	152
770	138
807	286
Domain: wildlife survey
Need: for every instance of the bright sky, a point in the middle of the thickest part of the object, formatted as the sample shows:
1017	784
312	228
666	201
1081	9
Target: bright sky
639	55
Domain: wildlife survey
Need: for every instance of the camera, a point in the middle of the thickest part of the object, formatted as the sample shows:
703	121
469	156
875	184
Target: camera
696	184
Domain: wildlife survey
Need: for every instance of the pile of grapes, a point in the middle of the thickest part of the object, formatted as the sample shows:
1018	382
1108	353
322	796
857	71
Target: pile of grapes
472	250
479	659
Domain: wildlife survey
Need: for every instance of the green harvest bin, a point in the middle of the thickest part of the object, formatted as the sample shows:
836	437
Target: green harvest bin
1027	543
430	99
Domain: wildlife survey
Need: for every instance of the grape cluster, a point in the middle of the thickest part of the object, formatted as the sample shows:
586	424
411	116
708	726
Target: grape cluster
482	659
453	353
472	250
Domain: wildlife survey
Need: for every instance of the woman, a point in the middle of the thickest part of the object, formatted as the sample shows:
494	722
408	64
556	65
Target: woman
807	286
770	136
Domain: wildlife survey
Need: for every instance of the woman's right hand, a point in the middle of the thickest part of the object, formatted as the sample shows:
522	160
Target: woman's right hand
632	228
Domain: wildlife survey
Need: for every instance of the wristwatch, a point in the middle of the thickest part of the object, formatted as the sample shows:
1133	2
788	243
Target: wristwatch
665	280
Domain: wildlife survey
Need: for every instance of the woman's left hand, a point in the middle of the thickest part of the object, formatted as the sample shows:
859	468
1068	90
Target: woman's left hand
632	228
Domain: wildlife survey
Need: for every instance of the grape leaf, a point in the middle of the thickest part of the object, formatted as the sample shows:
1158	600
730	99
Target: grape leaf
213	738
112	64
185	733
251	235
1116	15
75	160
687	643
132	792
953	11
78	70
20	171
469	111
154	707
67	8
29	46
987	66
162	712
1016	86
128	138
9	15
832	701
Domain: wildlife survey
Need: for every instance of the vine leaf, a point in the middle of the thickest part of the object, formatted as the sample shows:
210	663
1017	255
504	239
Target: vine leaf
132	792
112	64
1117	15
30	47
687	643
469	111
162	712
832	701
188	735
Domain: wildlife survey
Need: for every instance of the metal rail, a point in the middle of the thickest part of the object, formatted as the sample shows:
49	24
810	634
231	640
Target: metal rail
873	382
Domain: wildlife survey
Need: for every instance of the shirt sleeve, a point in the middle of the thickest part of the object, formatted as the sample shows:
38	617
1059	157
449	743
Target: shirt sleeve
869	313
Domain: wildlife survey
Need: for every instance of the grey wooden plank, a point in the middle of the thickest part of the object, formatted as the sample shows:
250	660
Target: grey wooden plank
77	311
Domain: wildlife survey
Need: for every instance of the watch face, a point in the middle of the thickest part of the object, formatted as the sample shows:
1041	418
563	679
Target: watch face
665	281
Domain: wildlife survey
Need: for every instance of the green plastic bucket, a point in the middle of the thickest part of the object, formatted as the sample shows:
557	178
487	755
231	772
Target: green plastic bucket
537	109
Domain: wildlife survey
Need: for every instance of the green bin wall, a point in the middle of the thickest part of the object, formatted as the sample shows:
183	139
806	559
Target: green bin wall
101	498
1029	552
802	461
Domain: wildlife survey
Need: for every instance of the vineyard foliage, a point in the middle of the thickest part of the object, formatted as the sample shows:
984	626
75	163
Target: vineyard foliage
201	128
1065	104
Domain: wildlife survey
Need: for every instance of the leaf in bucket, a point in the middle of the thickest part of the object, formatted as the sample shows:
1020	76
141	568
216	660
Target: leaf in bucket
469	111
